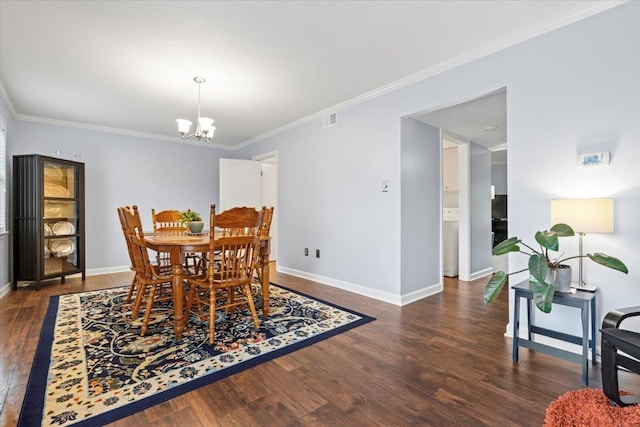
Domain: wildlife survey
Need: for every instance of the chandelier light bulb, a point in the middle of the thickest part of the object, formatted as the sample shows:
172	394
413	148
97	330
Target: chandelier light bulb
183	126
206	125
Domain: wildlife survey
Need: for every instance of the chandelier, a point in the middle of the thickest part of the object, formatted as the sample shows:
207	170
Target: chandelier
204	127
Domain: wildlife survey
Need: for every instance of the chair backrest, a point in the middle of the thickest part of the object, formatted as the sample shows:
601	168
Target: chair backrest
137	245
236	260
167	221
236	221
265	228
130	220
234	252
123	211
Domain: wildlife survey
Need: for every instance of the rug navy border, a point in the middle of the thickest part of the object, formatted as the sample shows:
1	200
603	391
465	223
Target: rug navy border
33	403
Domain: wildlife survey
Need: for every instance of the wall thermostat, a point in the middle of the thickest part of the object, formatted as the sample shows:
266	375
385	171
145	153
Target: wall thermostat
594	159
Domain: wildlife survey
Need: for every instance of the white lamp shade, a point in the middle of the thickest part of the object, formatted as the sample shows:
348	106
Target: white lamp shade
206	126
183	126
584	215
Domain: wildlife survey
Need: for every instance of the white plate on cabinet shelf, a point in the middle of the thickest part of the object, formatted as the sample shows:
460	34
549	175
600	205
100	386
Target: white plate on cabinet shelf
55	190
62	247
62	228
52	211
47	230
53	173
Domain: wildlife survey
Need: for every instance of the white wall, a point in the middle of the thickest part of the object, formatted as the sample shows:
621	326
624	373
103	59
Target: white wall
5	240
578	90
420	259
480	209
124	170
330	198
499	177
569	91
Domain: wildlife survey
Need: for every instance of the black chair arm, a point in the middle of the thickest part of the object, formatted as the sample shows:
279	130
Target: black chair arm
615	317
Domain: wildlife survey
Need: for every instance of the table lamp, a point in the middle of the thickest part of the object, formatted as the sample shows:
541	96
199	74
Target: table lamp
584	216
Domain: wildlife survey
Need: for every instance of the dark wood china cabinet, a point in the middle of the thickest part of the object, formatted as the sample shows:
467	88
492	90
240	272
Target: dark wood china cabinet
48	218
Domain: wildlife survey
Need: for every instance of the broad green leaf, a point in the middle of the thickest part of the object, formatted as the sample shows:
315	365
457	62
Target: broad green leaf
562	230
506	246
543	296
538	267
547	239
494	287
609	261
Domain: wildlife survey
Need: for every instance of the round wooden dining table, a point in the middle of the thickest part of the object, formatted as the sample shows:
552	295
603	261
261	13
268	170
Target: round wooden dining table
179	245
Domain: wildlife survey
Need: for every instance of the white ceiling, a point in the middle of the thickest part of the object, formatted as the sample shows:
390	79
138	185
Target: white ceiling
128	66
482	120
474	120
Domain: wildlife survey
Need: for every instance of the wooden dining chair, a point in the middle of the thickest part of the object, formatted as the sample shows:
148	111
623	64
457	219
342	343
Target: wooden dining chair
154	283
168	221
233	253
122	212
265	229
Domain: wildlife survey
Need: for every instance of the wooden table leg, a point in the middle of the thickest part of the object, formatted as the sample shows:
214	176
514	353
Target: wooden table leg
178	295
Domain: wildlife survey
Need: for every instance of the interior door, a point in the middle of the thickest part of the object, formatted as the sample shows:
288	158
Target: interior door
239	184
250	183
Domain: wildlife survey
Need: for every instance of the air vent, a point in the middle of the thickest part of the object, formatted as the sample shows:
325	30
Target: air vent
329	120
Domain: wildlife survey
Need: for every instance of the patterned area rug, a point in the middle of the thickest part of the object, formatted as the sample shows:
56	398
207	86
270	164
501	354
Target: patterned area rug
589	407
92	367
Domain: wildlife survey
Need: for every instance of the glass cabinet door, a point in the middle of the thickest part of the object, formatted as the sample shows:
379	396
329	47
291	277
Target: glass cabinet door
60	218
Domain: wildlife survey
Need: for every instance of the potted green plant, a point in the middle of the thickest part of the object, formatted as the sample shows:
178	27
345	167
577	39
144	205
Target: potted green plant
193	220
544	270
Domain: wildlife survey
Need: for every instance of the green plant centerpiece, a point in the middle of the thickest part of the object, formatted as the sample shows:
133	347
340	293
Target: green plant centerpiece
540	263
193	220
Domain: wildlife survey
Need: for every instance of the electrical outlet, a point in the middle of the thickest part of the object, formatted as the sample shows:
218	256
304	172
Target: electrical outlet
306	251
317	253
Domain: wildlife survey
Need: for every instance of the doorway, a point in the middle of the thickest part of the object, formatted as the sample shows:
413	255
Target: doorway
252	183
269	197
479	127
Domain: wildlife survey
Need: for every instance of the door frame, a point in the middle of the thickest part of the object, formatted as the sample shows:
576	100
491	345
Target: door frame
274	221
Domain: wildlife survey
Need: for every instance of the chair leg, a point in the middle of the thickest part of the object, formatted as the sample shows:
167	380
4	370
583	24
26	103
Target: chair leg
252	307
190	296
131	288
147	314
142	289
212	315
610	372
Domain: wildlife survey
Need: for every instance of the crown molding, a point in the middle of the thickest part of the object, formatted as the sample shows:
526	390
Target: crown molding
7	101
119	131
457	61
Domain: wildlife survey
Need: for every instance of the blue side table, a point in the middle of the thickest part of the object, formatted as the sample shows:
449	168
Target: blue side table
585	301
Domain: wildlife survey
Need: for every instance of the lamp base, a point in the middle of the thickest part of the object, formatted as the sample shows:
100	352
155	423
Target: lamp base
584	287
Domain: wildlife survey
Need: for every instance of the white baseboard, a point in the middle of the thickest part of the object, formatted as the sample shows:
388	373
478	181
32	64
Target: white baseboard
363	290
92	272
481	273
421	293
5	289
108	270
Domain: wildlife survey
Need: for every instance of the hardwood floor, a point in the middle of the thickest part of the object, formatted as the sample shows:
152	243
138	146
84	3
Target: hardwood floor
441	361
